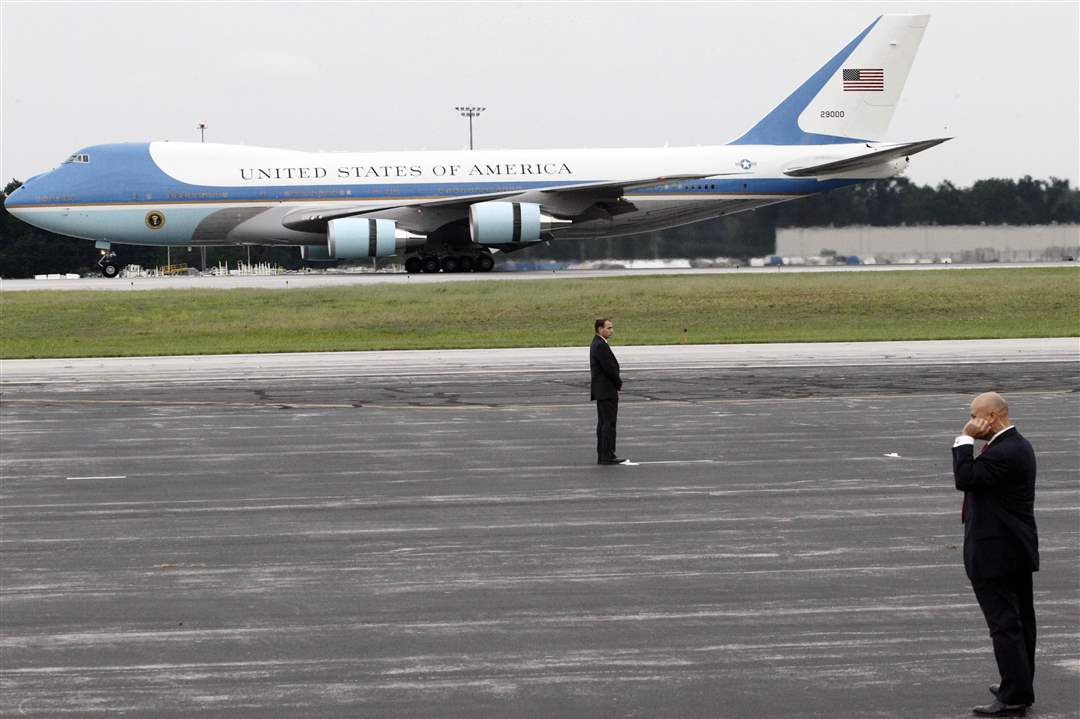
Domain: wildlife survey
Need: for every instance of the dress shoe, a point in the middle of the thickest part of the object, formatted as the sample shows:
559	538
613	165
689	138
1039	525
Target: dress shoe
613	460
997	708
995	688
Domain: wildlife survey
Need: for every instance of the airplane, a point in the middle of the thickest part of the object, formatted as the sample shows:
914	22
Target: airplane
450	211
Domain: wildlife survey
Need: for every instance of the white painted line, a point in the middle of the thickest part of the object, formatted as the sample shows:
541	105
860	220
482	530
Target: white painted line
680	461
119	476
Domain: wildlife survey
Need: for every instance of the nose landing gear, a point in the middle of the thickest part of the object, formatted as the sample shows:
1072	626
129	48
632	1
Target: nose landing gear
109	264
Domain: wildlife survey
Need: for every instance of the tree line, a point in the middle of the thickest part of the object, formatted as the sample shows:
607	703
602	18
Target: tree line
884	203
26	251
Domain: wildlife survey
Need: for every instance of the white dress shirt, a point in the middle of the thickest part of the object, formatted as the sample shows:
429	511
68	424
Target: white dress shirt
965	439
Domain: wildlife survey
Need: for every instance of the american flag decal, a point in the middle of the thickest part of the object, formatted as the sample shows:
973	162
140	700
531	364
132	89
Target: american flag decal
864	80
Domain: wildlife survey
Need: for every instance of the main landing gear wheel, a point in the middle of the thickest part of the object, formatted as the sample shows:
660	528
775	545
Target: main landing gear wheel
451	263
413	265
485	263
429	264
468	264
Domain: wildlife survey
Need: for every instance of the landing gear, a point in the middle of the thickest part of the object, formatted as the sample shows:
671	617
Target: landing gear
479	262
110	266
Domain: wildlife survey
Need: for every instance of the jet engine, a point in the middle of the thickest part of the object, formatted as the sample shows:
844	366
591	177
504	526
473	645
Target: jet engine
497	223
354	237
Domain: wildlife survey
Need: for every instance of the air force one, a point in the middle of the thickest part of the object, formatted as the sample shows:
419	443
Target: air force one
449	210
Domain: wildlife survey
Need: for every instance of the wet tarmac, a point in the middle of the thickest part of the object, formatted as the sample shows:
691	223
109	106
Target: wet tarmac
354	542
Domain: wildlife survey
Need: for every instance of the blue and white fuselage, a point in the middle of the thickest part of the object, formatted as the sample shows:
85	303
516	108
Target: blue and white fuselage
461	204
106	192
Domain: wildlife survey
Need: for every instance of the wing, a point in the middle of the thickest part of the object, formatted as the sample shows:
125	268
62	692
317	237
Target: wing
421	214
862	161
620	187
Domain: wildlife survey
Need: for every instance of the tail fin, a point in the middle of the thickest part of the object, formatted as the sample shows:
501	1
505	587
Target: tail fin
851	98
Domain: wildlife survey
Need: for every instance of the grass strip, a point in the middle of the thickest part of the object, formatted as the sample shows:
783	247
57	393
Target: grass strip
658	309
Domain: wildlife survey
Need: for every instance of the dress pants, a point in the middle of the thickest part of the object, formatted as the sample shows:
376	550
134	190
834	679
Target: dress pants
607	412
1009	608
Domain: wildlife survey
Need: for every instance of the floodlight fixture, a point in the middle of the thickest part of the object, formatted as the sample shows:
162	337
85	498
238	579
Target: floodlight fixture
470	111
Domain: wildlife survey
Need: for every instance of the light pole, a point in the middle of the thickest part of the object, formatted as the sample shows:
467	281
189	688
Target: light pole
470	112
201	127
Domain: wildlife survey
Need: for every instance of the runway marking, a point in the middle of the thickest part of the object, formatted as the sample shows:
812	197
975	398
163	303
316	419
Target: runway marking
1072	665
118	476
679	461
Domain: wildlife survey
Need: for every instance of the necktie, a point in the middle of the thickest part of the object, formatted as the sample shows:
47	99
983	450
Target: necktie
963	505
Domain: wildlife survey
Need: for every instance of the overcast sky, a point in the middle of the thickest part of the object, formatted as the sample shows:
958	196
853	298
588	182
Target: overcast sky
1002	78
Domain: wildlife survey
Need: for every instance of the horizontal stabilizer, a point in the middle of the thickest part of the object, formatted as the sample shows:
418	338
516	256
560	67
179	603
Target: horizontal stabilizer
870	159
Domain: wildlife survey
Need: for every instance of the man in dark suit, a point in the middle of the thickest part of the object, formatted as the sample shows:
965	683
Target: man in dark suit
604	387
1001	544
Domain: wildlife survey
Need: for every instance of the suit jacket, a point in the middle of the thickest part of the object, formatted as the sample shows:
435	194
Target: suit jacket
604	368
1000	536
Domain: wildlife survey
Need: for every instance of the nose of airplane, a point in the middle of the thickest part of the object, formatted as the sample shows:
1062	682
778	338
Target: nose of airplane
20	196
21	202
11	200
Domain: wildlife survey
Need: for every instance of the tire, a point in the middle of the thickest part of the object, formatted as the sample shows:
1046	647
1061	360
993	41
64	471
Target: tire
485	263
413	265
429	264
110	270
451	263
468	264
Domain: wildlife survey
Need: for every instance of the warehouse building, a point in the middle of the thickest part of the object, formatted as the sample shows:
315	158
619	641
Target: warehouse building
933	243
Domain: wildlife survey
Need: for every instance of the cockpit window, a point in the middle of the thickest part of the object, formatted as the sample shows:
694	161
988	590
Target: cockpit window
77	158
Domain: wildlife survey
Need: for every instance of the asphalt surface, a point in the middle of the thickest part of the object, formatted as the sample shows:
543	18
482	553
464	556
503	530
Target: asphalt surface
387	538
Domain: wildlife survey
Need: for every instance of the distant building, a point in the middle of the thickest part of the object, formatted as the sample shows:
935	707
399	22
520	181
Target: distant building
956	243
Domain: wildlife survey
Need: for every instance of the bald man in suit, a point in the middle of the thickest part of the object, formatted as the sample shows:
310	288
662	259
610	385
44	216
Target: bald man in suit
1001	544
